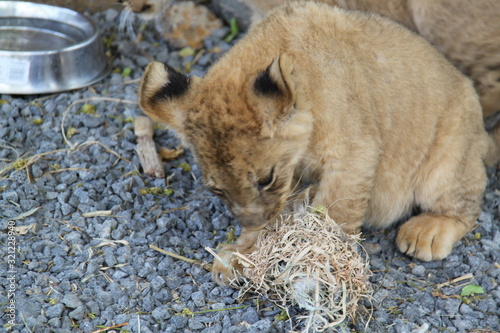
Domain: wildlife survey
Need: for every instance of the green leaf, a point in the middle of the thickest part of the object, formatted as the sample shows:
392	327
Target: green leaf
185	167
318	209
471	289
71	131
126	72
37	121
88	108
187	51
282	316
234	30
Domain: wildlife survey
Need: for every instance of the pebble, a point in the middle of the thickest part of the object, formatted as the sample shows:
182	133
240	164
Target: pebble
71	300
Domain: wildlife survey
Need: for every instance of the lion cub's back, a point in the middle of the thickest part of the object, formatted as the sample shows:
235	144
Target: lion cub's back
352	52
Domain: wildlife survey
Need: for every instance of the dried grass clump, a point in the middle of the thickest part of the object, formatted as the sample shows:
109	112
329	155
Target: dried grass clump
306	260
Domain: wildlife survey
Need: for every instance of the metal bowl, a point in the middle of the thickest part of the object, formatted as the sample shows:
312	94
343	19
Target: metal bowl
46	49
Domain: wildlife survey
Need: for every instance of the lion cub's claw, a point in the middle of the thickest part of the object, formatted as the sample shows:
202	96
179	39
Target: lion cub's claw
428	237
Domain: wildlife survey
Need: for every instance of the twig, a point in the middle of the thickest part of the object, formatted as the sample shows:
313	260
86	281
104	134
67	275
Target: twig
132	81
171	210
104	329
97	213
223	309
106	276
455	280
146	148
66	169
206	266
109	150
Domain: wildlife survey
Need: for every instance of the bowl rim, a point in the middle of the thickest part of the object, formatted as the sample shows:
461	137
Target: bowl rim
90	38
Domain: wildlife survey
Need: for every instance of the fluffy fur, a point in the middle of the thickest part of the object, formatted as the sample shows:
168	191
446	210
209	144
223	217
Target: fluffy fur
353	110
466	32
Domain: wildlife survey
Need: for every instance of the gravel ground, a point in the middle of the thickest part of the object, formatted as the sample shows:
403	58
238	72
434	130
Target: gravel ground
78	274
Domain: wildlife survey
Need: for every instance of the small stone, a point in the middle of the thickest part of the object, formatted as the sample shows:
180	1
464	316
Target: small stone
418	270
78	313
250	316
51	195
71	300
178	321
61	187
195	324
261	326
466	309
63	197
199	298
161	314
10	196
55	311
68	178
157	283
67	209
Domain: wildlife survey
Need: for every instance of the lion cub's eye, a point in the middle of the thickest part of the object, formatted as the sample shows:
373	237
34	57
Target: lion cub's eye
264	183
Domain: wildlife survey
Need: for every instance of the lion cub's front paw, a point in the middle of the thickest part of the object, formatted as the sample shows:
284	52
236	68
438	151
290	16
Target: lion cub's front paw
227	269
428	237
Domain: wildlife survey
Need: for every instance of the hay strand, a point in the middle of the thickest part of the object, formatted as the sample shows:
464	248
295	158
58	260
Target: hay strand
305	260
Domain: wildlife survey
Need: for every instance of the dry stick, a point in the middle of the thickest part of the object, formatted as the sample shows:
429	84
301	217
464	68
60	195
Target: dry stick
98	213
455	280
146	148
206	266
109	328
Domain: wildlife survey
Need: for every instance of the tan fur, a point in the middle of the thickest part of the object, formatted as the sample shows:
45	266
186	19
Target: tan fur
361	112
466	32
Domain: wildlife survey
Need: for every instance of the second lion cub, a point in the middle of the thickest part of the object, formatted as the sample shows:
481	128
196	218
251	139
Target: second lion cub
362	112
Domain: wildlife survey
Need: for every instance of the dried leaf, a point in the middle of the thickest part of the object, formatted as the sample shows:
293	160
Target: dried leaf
24	229
170	154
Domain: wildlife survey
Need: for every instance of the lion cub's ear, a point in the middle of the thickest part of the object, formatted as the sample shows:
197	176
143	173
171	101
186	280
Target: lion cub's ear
285	110
276	81
162	93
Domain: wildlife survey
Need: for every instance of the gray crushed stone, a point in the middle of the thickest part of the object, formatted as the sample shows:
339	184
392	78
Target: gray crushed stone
79	274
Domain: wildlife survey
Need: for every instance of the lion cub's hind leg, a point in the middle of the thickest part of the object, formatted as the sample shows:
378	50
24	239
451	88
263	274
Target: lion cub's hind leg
450	209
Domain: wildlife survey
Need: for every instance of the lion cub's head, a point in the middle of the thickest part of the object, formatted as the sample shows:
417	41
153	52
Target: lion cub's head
248	130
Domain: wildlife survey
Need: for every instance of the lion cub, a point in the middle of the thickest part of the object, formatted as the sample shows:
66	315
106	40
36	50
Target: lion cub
360	112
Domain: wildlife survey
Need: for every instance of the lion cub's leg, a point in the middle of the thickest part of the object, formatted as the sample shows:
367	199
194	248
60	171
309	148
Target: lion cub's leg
451	205
227	268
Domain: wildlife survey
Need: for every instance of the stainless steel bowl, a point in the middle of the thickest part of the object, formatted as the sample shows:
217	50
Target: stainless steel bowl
46	49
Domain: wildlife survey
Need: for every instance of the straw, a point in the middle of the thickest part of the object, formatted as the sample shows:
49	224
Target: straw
305	260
